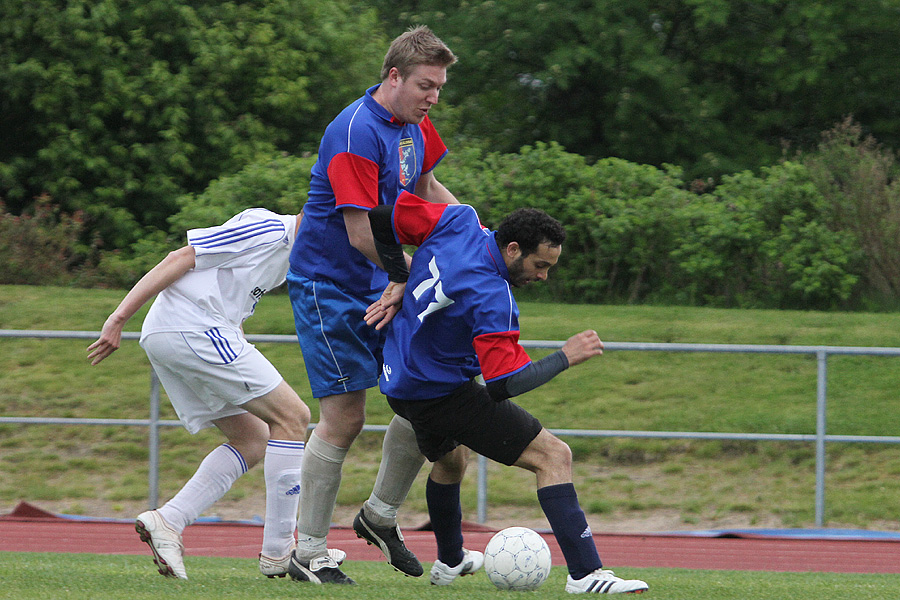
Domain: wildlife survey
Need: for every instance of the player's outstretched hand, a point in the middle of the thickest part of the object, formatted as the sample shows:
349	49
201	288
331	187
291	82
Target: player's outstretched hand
383	310
582	346
108	342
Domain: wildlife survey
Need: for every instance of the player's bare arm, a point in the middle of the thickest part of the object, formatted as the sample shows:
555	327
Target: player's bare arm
429	188
164	274
356	220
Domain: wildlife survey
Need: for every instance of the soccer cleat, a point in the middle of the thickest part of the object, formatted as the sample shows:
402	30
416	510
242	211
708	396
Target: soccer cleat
164	542
390	541
441	574
278	567
603	581
322	569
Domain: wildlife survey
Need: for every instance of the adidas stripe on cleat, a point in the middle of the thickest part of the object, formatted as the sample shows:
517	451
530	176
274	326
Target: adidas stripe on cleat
603	581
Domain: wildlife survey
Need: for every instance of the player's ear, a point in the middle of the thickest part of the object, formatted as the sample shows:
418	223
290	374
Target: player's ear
513	250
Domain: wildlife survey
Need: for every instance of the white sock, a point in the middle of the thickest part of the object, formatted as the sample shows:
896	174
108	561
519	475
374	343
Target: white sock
215	476
282	469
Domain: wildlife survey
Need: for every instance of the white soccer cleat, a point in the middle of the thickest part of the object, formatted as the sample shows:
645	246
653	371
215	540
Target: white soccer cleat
441	574
278	567
603	581
164	542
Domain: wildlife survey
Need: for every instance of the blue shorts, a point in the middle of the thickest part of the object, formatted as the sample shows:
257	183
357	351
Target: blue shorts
342	353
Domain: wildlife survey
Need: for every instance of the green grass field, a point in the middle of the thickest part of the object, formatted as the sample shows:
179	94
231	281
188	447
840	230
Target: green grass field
33	576
102	470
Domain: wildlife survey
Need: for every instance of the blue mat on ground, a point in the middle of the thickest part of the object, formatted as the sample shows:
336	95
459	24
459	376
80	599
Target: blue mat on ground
816	533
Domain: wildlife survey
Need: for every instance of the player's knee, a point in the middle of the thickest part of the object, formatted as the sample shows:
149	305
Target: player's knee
342	418
452	466
302	416
253	449
352	425
564	454
341	432
558	455
291	419
294	428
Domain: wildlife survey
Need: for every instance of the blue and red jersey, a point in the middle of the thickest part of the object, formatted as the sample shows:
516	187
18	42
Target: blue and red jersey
459	318
366	158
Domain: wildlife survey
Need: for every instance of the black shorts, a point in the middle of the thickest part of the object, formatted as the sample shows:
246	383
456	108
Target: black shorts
469	416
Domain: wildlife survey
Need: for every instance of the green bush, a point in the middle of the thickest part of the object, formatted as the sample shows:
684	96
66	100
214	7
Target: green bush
278	183
638	234
860	183
819	232
764	240
42	247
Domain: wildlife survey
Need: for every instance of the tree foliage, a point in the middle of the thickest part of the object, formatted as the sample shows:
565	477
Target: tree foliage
636	233
125	123
116	108
713	86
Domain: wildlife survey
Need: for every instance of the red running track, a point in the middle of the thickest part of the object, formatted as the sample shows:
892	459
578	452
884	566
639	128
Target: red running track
37	534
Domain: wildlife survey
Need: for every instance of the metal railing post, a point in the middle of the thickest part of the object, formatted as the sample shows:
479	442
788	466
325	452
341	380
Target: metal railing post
482	489
153	470
821	404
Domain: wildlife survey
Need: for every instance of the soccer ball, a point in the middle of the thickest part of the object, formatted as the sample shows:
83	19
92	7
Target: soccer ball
517	558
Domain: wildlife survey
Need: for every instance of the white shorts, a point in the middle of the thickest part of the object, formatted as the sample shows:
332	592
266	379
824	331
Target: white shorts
209	374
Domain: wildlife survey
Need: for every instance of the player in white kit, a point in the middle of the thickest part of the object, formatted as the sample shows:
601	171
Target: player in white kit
193	337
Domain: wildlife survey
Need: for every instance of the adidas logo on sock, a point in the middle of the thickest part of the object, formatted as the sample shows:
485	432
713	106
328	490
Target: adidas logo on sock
293	491
587	532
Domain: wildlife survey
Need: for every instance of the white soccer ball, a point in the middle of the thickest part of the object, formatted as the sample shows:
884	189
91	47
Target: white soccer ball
517	558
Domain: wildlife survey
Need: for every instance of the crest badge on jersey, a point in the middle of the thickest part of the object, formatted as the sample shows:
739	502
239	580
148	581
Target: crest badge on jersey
407	161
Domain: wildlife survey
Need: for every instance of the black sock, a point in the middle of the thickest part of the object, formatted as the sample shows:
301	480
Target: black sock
446	520
560	505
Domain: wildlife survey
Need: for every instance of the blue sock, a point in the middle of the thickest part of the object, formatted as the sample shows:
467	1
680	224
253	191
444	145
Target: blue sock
560	505
446	520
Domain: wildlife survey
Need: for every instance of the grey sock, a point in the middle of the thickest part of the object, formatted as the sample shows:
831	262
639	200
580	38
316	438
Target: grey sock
319	483
400	463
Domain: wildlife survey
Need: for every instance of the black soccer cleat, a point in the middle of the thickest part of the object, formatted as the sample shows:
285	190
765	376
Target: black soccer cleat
390	541
323	569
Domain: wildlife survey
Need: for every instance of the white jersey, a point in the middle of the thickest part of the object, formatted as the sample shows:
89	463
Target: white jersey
236	263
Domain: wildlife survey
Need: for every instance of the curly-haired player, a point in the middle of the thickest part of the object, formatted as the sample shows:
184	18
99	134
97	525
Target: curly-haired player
459	320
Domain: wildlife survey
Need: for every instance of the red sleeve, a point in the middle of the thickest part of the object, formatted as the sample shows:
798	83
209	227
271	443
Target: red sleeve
415	218
354	180
435	148
500	354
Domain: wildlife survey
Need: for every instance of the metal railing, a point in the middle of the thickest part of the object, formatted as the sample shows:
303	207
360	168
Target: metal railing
820	438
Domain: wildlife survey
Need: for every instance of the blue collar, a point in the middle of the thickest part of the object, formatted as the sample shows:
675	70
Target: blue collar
496	254
380	111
